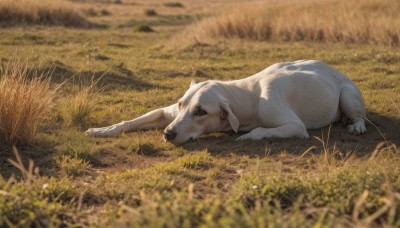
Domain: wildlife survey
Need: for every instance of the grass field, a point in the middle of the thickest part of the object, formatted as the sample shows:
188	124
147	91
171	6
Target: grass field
109	66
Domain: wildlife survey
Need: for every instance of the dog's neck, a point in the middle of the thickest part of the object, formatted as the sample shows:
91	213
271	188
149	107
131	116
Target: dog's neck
243	100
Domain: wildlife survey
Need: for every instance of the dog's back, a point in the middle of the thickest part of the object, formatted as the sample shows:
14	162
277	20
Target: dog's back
309	88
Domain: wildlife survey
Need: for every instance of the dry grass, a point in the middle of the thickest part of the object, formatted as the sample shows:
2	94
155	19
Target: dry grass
55	13
99	1
369	21
24	104
332	179
77	107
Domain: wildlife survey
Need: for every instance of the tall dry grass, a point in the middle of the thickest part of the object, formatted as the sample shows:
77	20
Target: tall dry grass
24	103
350	21
34	12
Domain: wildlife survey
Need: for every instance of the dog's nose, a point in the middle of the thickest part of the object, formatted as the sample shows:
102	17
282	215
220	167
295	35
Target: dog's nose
169	135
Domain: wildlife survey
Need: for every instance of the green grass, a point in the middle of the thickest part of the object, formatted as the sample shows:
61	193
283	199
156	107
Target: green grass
139	180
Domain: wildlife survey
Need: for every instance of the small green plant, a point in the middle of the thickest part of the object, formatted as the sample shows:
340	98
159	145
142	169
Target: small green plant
73	166
146	149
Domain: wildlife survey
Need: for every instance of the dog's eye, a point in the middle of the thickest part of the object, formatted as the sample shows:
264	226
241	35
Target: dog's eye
179	105
200	112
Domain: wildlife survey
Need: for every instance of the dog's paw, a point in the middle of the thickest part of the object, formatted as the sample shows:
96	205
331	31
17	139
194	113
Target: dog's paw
256	134
248	136
358	128
102	132
243	137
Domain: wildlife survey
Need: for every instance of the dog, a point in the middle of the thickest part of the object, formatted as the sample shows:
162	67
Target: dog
282	101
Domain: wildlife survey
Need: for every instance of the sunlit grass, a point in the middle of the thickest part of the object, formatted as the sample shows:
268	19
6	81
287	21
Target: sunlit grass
24	103
138	180
77	107
361	22
53	13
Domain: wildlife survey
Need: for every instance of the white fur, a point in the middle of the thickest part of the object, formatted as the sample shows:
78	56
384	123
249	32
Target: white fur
281	101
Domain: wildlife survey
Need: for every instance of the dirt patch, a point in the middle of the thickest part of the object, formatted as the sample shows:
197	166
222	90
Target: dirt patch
114	160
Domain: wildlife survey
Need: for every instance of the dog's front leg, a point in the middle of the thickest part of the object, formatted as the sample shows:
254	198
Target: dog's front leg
284	131
158	118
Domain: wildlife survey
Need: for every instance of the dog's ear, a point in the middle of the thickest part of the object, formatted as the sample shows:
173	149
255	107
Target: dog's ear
193	83
226	113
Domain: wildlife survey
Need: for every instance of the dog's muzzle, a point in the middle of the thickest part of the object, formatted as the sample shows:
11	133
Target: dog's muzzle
169	135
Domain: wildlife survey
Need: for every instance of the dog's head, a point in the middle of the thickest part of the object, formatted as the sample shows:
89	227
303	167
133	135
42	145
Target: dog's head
203	109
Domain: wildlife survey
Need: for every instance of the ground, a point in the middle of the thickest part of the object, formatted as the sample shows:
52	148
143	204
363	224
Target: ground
137	179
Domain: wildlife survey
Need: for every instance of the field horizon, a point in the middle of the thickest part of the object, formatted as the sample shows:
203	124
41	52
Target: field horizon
121	59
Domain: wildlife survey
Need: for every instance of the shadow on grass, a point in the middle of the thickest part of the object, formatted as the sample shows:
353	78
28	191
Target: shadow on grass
335	136
160	20
38	155
118	78
224	144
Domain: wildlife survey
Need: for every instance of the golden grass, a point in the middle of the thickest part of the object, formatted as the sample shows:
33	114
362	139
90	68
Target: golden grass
24	104
79	105
364	22
55	13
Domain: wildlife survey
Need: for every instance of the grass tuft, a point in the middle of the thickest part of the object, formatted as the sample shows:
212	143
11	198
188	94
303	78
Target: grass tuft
16	13
143	28
150	12
173	4
77	107
73	166
24	103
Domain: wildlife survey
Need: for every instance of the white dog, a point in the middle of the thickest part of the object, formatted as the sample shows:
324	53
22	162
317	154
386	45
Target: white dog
281	101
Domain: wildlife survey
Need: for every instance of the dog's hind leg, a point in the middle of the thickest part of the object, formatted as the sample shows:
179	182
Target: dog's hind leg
158	118
352	106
